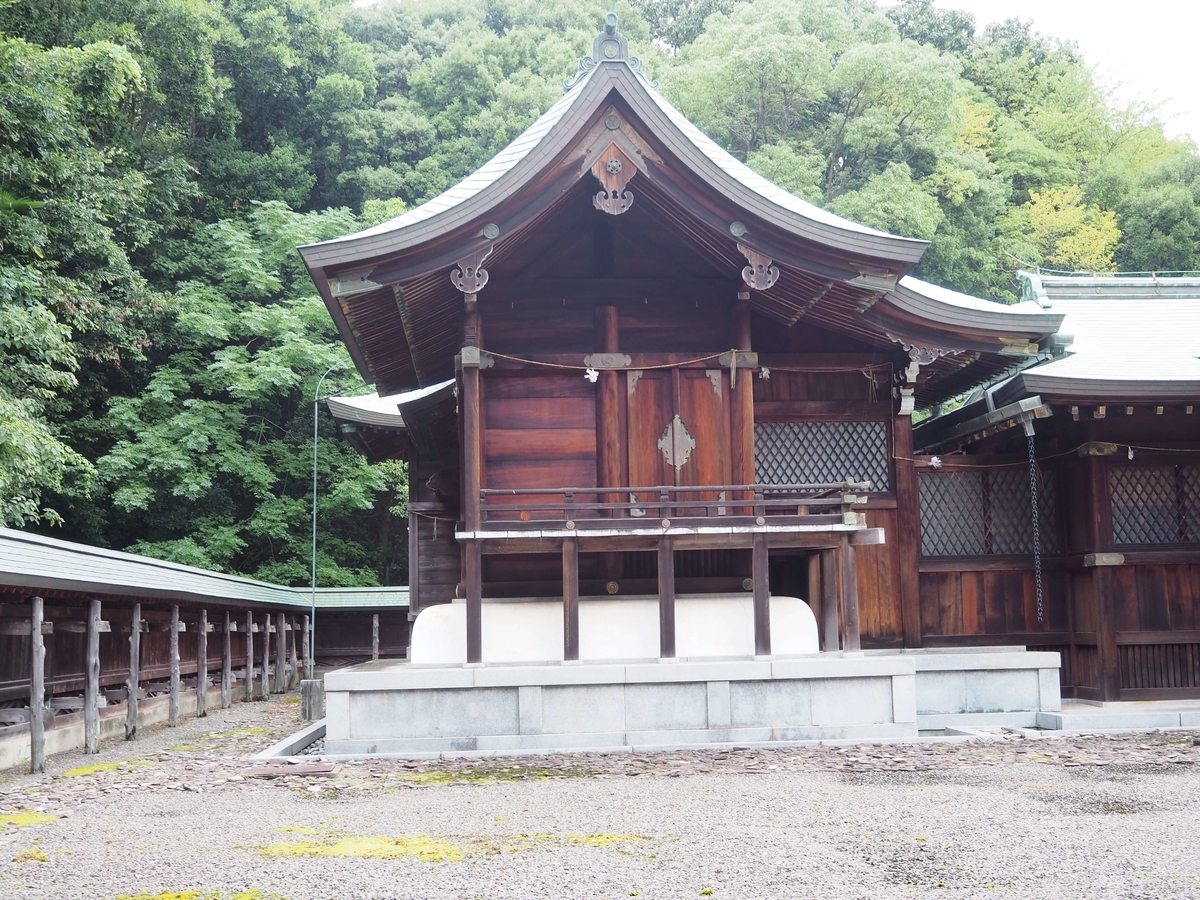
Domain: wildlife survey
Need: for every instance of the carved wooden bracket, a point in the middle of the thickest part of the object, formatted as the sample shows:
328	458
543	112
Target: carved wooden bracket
920	355
676	444
470	276
613	169
760	274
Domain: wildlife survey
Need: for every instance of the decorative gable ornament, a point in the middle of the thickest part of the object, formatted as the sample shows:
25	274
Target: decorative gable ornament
613	169
608	46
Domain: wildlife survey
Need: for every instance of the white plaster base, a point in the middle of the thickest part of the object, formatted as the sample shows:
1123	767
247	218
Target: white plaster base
531	631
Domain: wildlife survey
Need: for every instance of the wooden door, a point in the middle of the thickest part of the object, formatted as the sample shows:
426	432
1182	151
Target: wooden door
678	431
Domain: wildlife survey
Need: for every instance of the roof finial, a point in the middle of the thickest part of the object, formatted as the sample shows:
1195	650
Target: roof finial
608	46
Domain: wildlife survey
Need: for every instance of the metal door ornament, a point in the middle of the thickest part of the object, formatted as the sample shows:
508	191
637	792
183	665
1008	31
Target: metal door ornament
676	443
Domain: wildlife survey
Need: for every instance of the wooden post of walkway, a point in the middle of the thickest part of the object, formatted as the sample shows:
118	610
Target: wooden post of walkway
264	687
375	636
249	656
91	685
849	580
829	599
666	597
762	596
280	653
307	648
173	701
135	653
293	667
37	689
226	664
202	665
570	564
741	406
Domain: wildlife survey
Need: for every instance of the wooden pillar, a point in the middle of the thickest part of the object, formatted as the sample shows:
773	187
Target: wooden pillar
607	339
414	566
202	664
37	688
908	529
814	590
829	599
226	664
762	597
249	656
849	585
280	653
375	636
608	398
666	597
173	695
1099	539
307	647
741	408
473	578
264	685
91	685
570	565
135	652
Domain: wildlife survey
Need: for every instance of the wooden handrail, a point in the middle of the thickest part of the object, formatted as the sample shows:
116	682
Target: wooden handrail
691	488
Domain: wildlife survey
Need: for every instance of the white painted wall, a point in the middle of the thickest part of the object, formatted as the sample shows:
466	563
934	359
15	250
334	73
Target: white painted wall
531	631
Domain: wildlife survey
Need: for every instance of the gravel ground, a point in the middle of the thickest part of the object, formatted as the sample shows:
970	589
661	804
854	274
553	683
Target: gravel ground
181	809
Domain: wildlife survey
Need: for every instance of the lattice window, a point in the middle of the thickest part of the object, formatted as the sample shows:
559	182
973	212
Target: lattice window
985	512
821	453
1155	504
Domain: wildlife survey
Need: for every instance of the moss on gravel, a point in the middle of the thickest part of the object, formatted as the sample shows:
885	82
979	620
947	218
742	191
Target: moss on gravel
25	817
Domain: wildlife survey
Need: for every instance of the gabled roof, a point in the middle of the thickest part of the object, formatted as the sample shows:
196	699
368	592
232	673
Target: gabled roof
388	287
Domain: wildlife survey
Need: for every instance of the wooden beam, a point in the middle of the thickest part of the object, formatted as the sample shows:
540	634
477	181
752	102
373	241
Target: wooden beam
666	597
608	433
908	529
173	702
37	688
249	656
849	585
829	599
91	686
375	636
135	652
227	664
762	596
570	565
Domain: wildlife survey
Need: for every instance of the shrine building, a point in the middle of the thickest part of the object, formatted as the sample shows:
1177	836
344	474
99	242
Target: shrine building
665	487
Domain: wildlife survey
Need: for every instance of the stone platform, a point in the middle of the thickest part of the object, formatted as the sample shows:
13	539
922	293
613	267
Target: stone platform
394	708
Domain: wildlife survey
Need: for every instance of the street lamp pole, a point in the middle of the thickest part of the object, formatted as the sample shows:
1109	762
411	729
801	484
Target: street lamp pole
311	663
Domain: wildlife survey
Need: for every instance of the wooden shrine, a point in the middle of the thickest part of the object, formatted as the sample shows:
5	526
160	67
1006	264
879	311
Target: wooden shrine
644	369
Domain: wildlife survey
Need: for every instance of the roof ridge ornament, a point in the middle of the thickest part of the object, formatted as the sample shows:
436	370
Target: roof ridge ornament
608	46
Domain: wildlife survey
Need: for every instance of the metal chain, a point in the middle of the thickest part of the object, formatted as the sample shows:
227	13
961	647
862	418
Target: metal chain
1037	528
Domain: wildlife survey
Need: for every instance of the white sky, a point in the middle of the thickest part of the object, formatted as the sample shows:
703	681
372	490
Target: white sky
1148	47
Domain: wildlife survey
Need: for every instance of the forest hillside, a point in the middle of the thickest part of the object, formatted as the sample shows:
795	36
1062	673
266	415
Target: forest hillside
160	160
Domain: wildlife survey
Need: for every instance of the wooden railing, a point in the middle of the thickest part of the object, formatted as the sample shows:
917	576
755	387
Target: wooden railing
733	505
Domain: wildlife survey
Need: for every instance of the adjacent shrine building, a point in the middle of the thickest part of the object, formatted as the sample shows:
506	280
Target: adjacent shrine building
631	366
